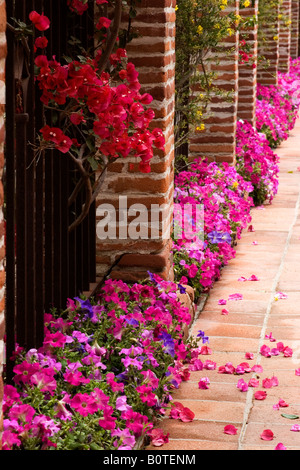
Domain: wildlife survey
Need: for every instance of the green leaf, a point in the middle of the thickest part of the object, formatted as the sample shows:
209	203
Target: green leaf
289	416
94	164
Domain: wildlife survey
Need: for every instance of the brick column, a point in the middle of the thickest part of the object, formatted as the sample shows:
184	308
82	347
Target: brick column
153	53
268	48
285	36
295	30
2	245
248	72
217	142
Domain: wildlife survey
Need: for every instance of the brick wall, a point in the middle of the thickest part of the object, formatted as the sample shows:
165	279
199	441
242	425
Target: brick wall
285	35
153	53
217	142
2	137
268	47
295	29
248	71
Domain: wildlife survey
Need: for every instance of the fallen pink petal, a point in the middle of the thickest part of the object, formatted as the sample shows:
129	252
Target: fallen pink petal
281	404
280	446
225	311
203	383
280	295
260	395
249	355
267	435
253	278
257	368
253	383
230	429
242	385
235	297
270	337
157	437
222	302
295	428
270	382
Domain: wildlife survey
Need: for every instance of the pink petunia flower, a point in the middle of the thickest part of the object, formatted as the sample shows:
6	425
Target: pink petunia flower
84	404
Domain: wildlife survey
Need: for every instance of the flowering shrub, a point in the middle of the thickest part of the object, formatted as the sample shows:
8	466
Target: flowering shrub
104	373
224	196
256	162
201	27
96	111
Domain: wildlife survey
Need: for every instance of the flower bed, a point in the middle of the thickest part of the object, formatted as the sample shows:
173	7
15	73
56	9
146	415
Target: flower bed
256	162
224	196
277	106
105	372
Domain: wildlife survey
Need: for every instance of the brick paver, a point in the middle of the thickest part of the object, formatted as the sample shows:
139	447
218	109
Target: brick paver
275	260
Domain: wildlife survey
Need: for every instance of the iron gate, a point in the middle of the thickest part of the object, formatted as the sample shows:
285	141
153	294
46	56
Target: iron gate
45	264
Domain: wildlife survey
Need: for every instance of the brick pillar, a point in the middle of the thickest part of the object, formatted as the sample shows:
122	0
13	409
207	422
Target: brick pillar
285	36
268	48
295	30
153	53
217	142
248	72
2	245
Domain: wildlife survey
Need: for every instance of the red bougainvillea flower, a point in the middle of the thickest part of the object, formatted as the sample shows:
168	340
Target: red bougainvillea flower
41	42
267	435
103	22
230	429
78	6
56	135
41	22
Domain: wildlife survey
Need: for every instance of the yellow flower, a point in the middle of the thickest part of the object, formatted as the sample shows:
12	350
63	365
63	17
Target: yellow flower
200	29
275	38
247	3
176	8
235	185
201	127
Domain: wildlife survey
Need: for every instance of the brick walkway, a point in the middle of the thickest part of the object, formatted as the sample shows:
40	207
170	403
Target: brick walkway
275	260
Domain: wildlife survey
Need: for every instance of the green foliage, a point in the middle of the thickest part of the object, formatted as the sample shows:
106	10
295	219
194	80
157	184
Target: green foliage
201	26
